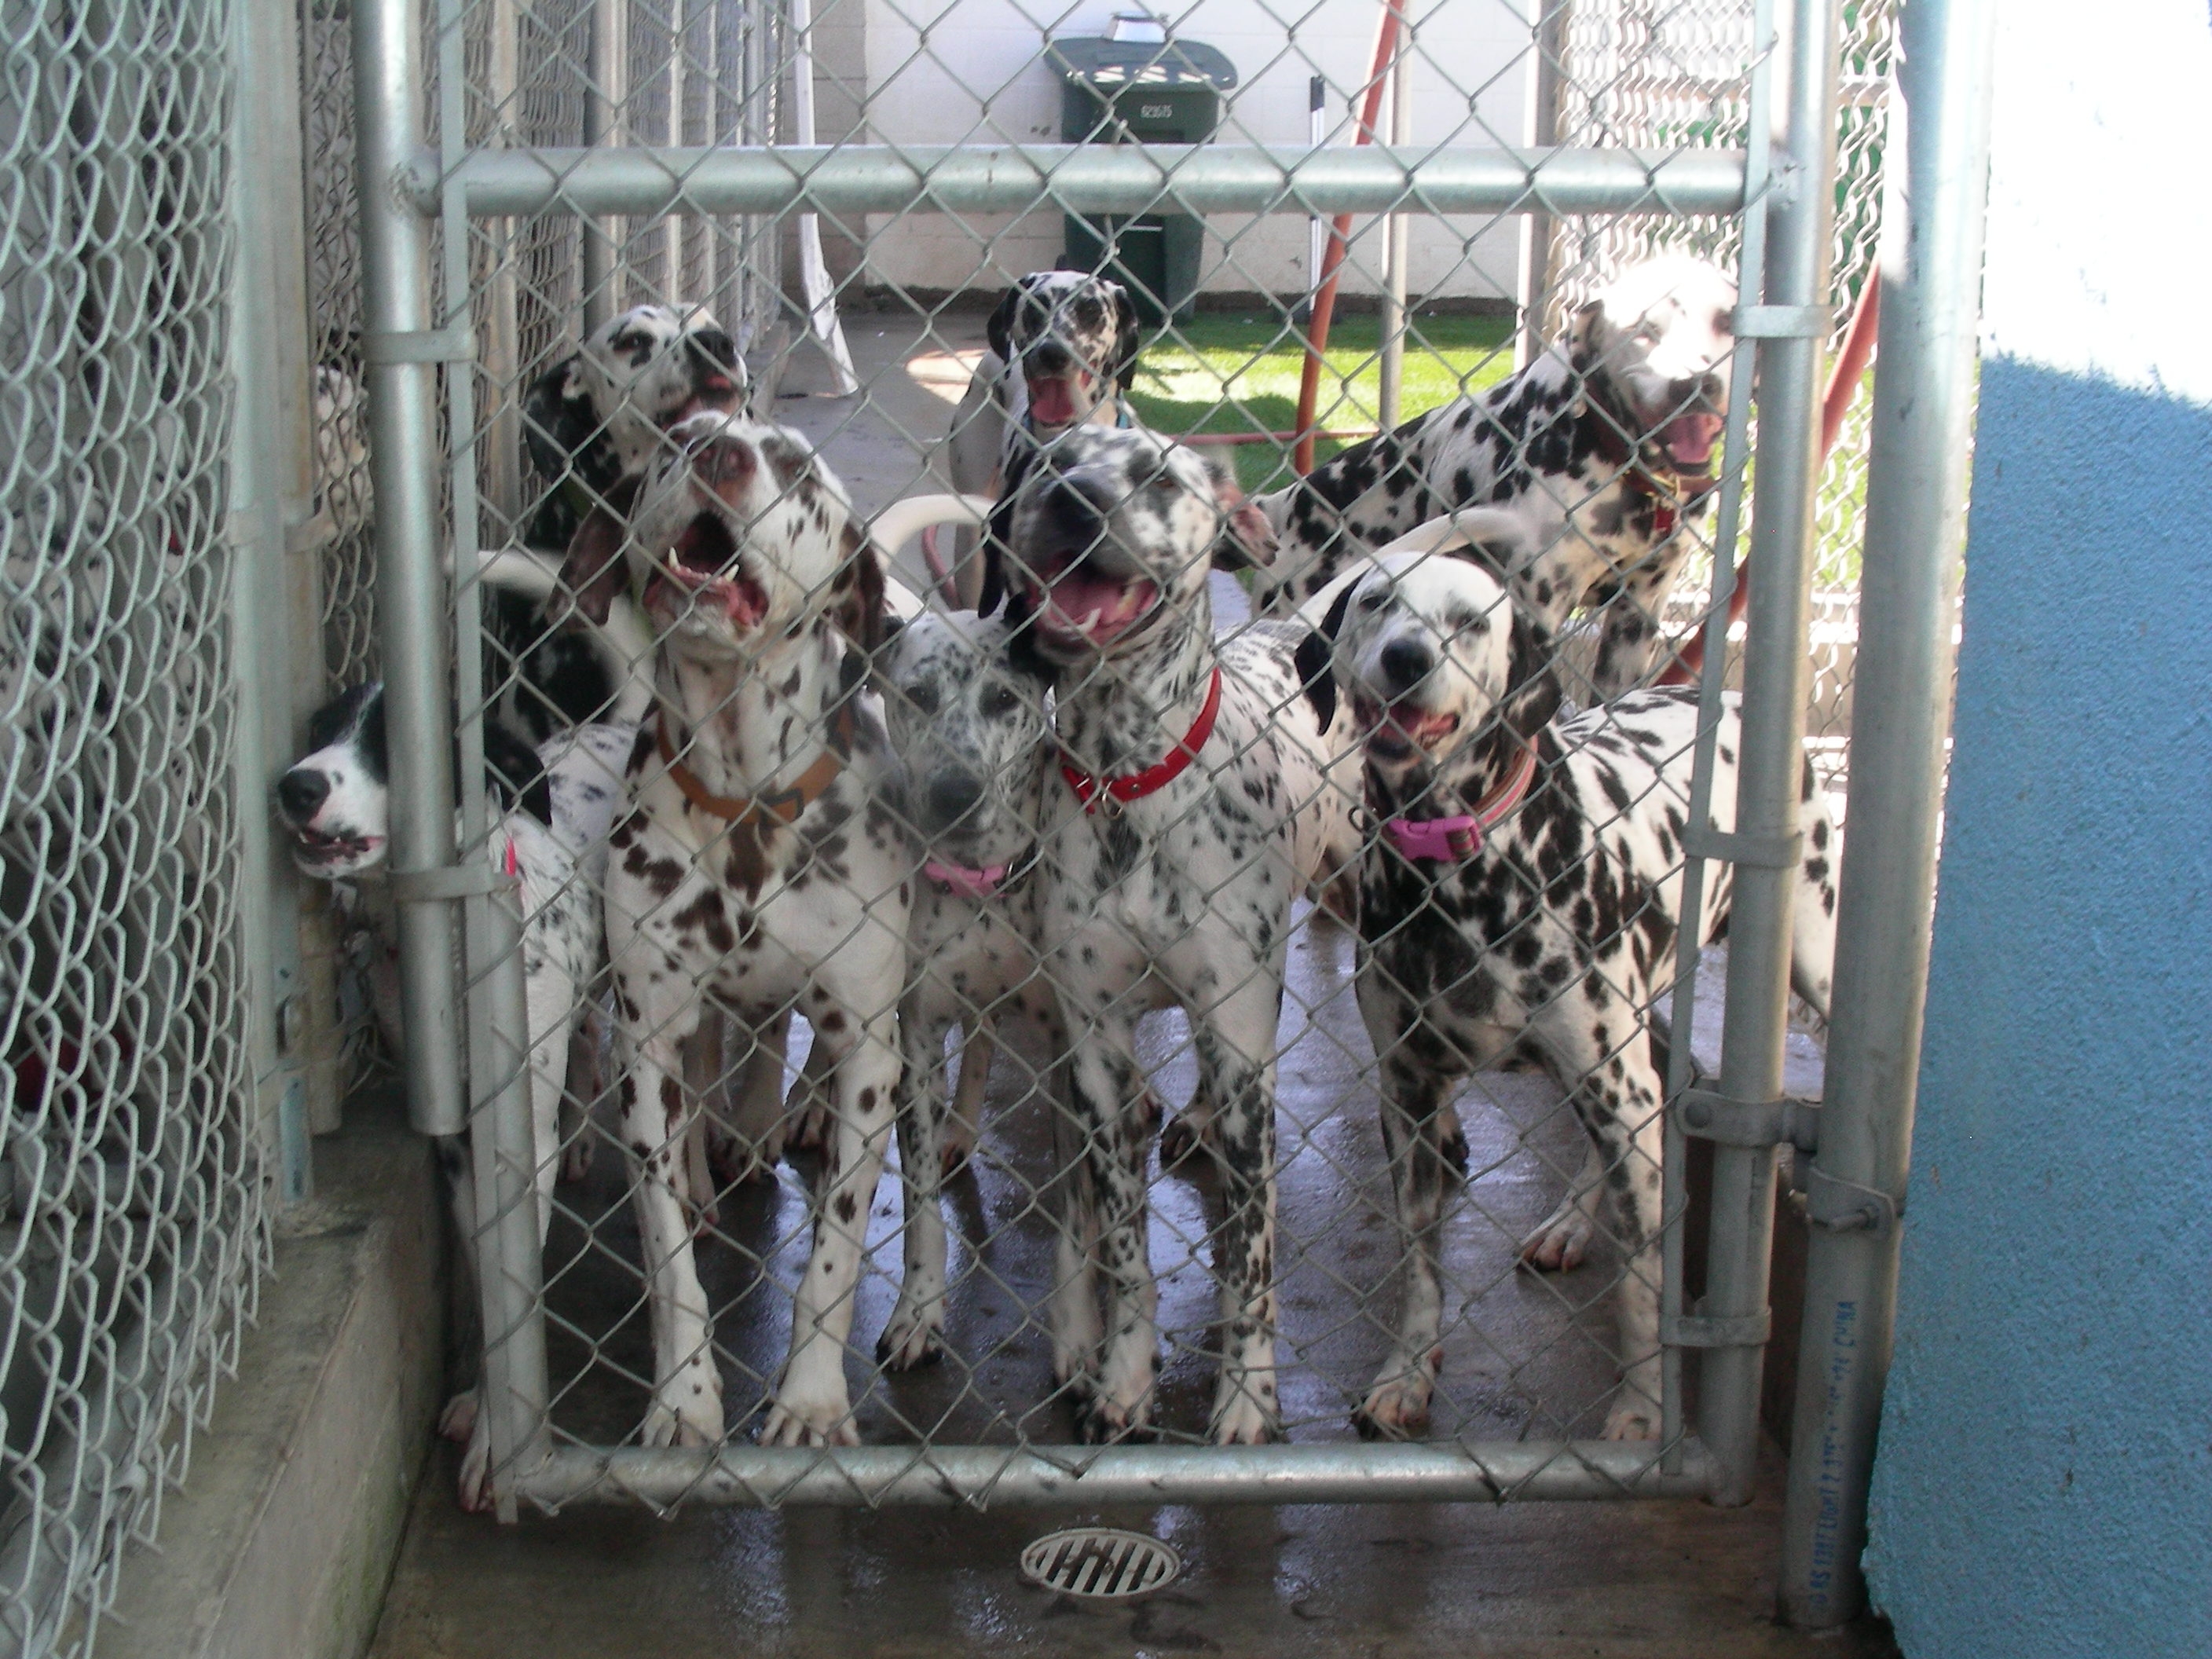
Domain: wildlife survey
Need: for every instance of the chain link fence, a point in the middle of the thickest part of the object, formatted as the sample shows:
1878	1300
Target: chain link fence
132	1230
725	1091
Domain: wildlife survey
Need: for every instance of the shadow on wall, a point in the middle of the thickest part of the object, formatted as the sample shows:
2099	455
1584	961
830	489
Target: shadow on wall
2045	1481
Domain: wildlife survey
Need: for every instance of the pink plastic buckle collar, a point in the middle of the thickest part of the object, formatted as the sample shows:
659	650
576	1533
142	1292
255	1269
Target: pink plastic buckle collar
1446	839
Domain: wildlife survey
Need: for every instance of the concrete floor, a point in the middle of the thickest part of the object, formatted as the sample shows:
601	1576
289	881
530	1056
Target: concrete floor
1525	1358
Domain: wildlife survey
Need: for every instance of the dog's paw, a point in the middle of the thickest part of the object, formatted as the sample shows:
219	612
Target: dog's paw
810	1423
1451	1146
1397	1407
576	1159
1634	1419
1104	1422
685	1414
910	1341
1561	1242
1242	1420
459	1421
954	1158
476	1469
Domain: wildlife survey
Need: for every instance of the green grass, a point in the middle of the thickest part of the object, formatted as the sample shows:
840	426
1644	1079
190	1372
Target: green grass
1220	373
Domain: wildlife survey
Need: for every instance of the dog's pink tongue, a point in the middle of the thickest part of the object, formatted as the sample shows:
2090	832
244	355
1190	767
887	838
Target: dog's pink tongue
1051	403
1690	440
1080	603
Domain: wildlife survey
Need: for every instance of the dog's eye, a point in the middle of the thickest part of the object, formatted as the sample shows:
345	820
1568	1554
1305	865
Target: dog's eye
923	699
1371	600
630	339
998	701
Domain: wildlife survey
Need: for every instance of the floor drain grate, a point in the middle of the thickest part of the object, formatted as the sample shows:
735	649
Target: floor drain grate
1101	1564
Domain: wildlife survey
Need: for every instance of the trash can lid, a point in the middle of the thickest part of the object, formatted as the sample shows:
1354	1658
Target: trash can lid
1104	62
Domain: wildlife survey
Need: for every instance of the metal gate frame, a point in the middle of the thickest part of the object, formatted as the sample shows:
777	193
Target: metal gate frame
1781	185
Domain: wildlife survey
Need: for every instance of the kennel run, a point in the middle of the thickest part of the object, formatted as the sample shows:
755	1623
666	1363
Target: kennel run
529	170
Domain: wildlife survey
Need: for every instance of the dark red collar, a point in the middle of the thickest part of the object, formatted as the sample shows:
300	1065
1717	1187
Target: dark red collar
1137	785
1670	498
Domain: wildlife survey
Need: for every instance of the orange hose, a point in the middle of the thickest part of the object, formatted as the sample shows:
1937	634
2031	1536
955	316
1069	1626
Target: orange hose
1339	237
1835	403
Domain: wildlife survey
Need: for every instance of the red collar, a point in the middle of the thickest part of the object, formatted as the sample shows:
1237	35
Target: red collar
1669	497
1137	785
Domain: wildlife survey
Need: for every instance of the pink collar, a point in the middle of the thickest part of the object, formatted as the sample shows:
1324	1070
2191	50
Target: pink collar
1137	785
1453	840
964	883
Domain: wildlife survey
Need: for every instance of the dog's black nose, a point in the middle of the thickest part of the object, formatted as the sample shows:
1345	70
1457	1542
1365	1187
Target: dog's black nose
300	793
716	346
1050	356
1407	663
952	796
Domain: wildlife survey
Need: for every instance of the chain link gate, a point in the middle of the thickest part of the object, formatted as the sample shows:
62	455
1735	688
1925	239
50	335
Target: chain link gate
539	242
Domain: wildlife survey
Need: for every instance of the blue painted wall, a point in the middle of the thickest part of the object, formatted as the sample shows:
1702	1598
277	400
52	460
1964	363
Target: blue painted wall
2043	1486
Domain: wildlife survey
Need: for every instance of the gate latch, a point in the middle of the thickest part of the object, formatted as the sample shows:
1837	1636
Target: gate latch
1704	1330
1715	1117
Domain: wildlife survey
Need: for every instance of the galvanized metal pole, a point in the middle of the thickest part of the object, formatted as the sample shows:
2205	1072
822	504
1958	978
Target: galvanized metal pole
606	71
1791	325
1923	402
1547	43
400	350
1397	241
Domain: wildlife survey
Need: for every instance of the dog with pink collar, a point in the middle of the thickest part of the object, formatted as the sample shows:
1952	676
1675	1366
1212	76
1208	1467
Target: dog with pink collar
968	729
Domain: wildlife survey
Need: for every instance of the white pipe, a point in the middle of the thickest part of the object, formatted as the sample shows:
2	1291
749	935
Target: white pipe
822	321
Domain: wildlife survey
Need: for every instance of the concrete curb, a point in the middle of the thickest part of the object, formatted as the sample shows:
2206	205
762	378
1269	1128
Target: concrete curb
283	1541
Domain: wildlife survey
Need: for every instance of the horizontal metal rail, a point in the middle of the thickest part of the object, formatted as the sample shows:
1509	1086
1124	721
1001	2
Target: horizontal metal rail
850	179
866	1477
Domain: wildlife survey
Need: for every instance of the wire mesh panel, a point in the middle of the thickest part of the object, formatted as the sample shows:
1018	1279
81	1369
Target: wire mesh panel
131	1227
1045	929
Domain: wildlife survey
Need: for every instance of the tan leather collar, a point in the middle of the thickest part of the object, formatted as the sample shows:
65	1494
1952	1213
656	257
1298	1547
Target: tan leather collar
785	805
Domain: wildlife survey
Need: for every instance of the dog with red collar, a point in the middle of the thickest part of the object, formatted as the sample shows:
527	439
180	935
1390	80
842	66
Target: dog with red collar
1607	446
1192	805
1522	893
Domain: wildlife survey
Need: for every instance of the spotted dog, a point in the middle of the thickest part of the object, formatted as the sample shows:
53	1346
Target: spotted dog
1524	895
967	721
756	868
596	417
1063	354
1193	810
555	805
1606	445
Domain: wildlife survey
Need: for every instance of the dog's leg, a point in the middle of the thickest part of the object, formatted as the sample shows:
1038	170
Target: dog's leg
686	1396
582	1088
978	1047
1110	1105
1072	1198
812	1406
1416	1080
915	1335
464	1418
1629	629
1236	1041
702	1079
1562	1239
748	1143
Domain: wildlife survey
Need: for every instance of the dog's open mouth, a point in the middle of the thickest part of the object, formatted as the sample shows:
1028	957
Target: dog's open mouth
313	851
1053	400
715	392
700	571
1079	603
1398	730
1689	439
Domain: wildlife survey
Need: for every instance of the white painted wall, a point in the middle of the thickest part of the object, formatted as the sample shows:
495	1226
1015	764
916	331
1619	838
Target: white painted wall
950	71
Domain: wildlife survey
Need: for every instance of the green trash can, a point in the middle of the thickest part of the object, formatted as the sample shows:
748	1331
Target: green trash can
1160	90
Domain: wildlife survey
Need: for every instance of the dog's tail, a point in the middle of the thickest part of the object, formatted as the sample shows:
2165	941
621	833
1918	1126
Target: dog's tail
624	640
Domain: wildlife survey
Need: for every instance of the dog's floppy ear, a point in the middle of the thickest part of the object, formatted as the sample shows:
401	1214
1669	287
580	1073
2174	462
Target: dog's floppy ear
1315	661
1582	335
1532	696
1127	337
857	603
1246	541
591	573
559	421
991	545
1000	330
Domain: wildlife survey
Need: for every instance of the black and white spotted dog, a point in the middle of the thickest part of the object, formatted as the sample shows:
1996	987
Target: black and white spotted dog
967	725
1606	446
555	803
1194	809
1523	894
756	868
597	416
1063	352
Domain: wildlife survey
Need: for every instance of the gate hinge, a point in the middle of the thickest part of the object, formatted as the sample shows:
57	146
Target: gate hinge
1844	1207
1733	847
1715	1117
457	344
1714	1331
1783	322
